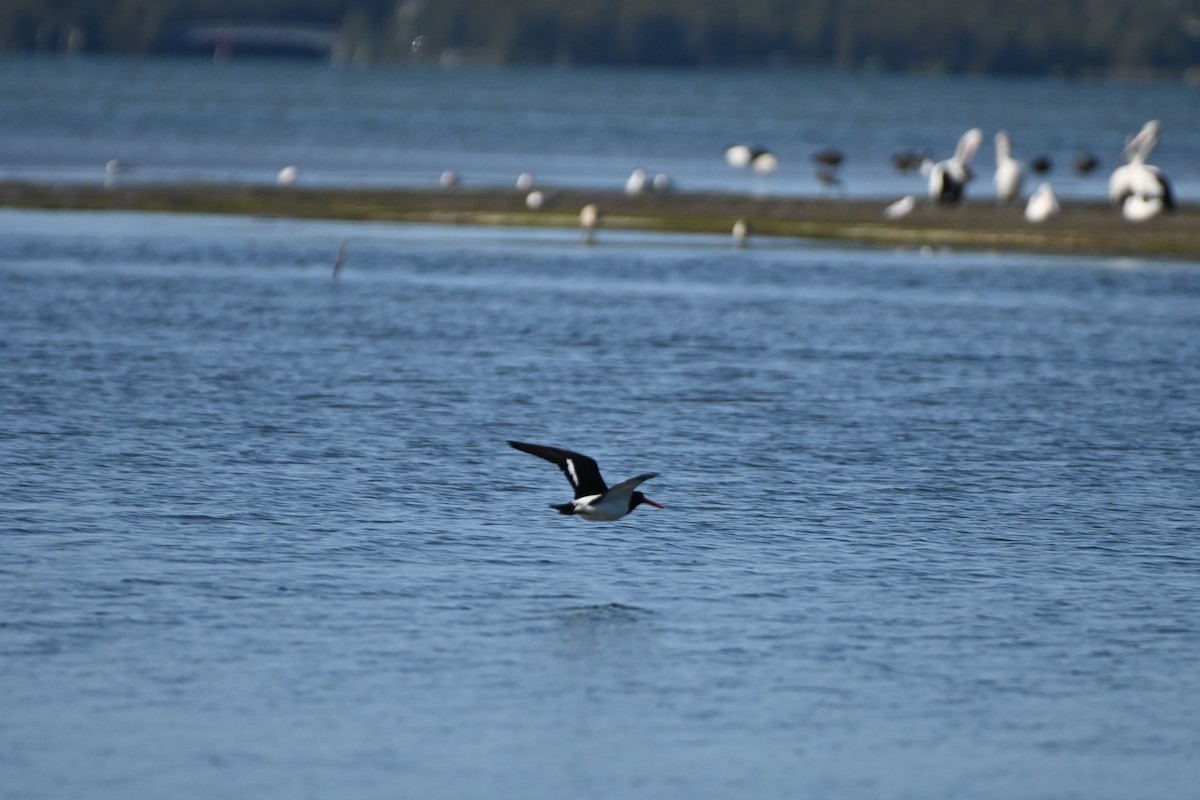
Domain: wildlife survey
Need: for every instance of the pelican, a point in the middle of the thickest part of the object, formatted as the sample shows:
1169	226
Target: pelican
1137	179
1010	173
1042	205
525	181
287	176
764	163
948	179
449	179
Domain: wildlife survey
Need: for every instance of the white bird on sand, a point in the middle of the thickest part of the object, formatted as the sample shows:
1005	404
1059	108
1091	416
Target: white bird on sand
589	220
1010	173
948	179
594	500
287	176
1042	205
1139	188
901	208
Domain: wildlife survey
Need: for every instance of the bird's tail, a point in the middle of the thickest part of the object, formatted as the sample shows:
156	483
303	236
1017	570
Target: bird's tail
565	508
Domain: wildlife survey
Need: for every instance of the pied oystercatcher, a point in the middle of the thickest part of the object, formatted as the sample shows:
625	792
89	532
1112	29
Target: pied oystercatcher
593	501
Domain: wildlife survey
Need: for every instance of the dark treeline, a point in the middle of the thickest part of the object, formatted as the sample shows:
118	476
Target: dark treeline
980	36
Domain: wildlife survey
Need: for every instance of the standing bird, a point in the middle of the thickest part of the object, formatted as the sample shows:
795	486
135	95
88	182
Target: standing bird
589	220
1010	173
741	232
1139	188
593	501
948	179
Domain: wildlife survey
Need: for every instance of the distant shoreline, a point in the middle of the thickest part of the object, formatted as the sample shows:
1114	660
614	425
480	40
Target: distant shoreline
1082	228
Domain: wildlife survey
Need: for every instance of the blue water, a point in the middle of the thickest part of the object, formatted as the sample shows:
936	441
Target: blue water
242	121
931	529
932	517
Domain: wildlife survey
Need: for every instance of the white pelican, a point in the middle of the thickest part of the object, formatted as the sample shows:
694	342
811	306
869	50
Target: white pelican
535	200
1137	179
449	179
948	179
525	181
1042	205
287	176
1010	173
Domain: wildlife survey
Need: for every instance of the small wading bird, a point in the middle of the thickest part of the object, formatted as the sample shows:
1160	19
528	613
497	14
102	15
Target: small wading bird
593	501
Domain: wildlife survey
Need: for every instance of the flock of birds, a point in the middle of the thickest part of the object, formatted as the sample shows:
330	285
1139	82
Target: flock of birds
1138	188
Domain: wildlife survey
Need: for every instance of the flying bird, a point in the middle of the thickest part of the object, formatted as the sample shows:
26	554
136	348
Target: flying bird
594	500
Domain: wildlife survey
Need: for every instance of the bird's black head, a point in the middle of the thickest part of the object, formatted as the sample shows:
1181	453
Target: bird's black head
637	498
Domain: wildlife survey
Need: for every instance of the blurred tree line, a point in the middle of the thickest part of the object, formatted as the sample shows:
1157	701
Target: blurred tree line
993	36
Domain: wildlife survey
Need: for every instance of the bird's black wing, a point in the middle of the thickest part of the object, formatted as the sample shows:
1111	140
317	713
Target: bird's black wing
1168	195
581	471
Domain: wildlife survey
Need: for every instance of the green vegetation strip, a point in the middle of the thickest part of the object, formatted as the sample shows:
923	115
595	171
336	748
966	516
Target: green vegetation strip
1094	228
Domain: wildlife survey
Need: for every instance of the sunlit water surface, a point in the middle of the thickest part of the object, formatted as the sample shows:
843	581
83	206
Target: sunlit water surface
931	526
